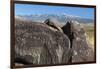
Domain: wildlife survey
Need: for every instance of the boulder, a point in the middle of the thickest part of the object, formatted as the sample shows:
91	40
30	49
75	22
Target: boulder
37	43
81	51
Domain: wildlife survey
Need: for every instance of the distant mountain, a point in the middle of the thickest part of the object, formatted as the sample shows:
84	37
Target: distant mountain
62	18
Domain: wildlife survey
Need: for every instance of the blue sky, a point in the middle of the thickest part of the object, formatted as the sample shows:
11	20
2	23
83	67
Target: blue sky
26	9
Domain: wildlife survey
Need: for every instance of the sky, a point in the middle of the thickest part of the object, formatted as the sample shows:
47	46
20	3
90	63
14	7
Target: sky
27	9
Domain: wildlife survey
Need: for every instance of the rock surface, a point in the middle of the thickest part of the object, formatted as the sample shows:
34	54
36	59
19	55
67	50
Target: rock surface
53	23
47	43
37	43
81	52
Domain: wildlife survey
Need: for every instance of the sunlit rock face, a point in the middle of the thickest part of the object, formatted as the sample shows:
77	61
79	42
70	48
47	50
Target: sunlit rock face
81	52
48	43
37	43
53	24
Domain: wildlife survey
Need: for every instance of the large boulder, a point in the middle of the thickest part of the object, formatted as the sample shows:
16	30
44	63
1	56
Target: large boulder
37	43
81	51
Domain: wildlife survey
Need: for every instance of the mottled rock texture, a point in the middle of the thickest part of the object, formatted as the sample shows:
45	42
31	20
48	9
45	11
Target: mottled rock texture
47	43
81	51
37	43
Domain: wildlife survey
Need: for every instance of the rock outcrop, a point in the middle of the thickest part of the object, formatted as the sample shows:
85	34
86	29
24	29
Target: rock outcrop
37	43
47	43
81	52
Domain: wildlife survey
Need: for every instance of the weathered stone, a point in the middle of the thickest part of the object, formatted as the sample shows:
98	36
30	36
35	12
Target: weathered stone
37	43
53	23
81	52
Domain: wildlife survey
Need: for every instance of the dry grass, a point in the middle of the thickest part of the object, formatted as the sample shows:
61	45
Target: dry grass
90	35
